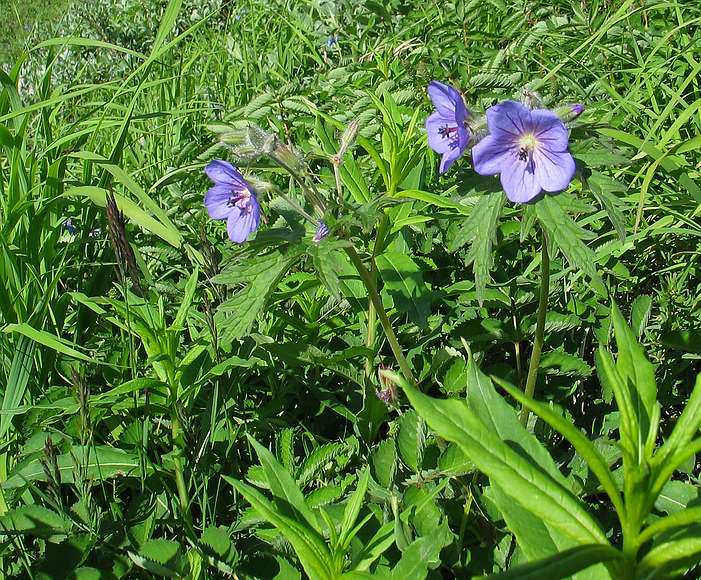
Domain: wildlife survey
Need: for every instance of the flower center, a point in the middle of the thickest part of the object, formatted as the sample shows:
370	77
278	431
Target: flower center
527	144
447	131
241	200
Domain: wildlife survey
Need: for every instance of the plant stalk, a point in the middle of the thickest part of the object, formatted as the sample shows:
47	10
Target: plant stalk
381	314
540	327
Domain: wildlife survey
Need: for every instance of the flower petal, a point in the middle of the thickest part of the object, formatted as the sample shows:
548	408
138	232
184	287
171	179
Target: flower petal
508	119
436	141
445	98
519	180
238	226
448	159
491	154
223	173
553	171
216	200
549	130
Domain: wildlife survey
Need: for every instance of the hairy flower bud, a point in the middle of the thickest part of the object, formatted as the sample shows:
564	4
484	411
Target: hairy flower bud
531	99
569	112
348	137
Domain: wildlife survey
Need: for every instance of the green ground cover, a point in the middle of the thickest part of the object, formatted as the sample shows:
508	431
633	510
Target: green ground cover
176	404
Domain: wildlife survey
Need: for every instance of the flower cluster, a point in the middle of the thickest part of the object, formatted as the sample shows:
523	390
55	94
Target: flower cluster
527	148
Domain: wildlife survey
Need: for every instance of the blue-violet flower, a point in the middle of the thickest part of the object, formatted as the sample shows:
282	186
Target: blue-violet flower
528	148
447	129
322	230
232	199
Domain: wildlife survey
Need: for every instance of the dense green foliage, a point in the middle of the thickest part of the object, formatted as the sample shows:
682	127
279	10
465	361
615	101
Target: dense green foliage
173	404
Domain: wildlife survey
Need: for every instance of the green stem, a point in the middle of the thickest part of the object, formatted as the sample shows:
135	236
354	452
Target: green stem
179	470
540	327
381	314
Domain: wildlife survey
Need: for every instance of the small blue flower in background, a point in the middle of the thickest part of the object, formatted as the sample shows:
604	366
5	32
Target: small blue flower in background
68	226
446	127
232	199
95	232
331	40
528	148
322	230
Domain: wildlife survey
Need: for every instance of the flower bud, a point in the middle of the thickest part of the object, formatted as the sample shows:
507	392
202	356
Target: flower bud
531	99
322	230
348	137
388	391
569	112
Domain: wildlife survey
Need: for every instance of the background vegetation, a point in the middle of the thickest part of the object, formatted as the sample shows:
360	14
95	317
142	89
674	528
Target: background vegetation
148	416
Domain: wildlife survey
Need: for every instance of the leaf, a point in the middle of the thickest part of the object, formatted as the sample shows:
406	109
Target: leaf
34	520
306	542
502	462
564	232
562	565
49	340
20	369
411	440
102	463
603	186
675	496
404	281
236	316
384	462
685	427
284	488
420	556
640	314
352	509
579	441
636	371
487	213
131	210
317	460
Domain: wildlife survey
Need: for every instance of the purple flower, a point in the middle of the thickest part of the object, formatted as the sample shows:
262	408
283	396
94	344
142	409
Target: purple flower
322	230
447	129
528	148
68	226
232	199
577	109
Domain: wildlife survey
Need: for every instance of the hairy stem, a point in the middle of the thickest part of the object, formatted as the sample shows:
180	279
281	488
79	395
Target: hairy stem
540	327
381	314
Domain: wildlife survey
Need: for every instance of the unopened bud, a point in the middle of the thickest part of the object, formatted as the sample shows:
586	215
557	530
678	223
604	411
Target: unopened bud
388	390
569	112
531	99
322	230
348	137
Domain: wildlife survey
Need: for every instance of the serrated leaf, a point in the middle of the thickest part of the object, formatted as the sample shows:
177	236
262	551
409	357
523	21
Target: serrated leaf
317	460
34	520
640	314
236	316
568	236
486	213
285	449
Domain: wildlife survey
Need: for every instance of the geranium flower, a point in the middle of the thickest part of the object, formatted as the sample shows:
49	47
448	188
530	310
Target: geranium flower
232	199
447	129
322	230
528	148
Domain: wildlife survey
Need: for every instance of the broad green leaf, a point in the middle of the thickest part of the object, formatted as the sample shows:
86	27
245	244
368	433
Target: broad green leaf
562	565
284	488
637	372
579	441
411	440
34	520
640	314
419	557
384	462
564	232
404	281
373	548
307	544
502	463
100	463
673	556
